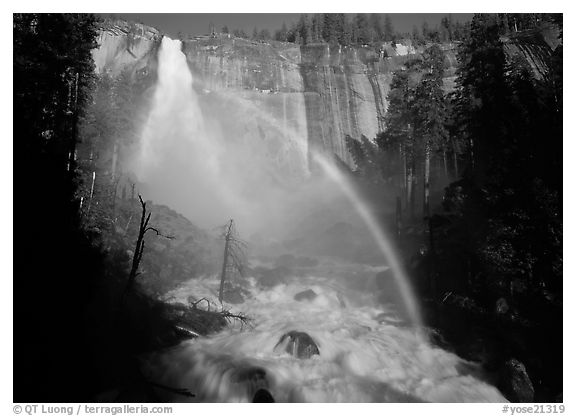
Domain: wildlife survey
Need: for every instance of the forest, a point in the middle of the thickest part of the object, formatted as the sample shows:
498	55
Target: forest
494	239
476	171
361	28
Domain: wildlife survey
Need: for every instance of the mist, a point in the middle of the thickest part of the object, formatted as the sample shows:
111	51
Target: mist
194	155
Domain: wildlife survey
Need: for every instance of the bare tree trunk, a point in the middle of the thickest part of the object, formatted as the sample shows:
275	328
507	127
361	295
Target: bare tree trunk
225	261
139	250
427	181
455	155
404	176
409	189
91	193
144	219
456	165
472	153
445	164
114	160
114	195
411	185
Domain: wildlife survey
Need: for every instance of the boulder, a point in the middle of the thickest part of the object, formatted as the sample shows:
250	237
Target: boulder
298	344
515	383
256	381
502	307
263	396
308	294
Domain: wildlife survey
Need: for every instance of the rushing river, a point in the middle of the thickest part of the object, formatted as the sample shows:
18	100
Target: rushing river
367	353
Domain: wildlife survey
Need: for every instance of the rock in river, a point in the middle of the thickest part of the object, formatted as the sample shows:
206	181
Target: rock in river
305	295
299	344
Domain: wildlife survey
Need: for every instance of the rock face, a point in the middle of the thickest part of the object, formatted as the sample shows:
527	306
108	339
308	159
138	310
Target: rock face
515	382
305	295
298	344
304	97
125	45
291	99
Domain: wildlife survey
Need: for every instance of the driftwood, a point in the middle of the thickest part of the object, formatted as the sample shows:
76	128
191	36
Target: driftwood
193	321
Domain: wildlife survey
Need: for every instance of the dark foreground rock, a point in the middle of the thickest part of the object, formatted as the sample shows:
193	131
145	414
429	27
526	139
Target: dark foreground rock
263	396
298	344
256	381
515	383
308	294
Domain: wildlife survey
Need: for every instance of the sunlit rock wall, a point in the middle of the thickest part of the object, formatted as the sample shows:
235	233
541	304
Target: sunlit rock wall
125	45
304	98
277	96
254	92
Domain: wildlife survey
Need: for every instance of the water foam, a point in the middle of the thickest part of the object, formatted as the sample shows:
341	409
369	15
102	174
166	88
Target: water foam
361	359
187	165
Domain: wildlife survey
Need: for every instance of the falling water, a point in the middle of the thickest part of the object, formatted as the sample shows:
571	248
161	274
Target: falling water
367	353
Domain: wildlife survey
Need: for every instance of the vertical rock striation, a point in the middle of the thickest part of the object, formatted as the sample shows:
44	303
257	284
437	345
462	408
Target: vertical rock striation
285	98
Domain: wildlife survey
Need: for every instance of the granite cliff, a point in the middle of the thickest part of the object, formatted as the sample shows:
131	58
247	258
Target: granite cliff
290	98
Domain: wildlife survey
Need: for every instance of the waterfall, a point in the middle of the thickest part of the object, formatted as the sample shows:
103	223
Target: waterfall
368	352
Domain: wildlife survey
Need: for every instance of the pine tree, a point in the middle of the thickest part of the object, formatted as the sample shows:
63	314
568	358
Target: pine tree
364	31
399	133
304	30
329	26
416	37
389	34
430	113
376	23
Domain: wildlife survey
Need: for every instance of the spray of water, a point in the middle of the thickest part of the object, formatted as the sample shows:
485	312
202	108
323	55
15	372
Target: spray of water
379	237
190	165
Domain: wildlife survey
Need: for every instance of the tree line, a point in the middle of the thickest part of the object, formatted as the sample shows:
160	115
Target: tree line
55	267
353	29
495	235
361	28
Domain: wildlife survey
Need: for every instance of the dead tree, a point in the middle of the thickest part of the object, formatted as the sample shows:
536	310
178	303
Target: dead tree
139	251
233	255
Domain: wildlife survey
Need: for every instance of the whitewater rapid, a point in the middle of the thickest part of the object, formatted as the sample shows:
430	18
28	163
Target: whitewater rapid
367	353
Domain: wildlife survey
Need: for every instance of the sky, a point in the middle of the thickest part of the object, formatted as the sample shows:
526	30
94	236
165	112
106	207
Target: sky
198	23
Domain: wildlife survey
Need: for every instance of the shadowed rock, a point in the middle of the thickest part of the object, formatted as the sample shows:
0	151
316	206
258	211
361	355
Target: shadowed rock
515	382
298	344
256	381
263	396
305	295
